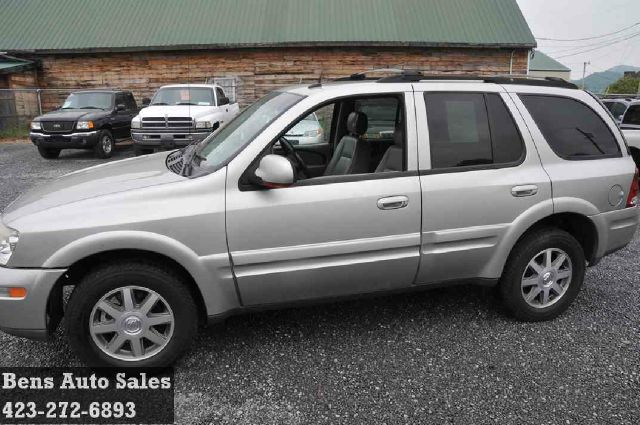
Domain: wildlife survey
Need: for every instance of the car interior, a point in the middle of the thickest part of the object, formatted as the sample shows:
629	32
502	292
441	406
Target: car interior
361	135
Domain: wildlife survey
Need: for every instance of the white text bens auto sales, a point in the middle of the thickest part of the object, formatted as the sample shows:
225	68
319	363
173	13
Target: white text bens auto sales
69	381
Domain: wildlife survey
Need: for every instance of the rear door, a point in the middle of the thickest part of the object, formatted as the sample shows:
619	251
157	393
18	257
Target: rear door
480	177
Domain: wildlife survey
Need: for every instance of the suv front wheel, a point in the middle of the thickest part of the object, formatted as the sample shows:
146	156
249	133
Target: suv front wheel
543	275
131	314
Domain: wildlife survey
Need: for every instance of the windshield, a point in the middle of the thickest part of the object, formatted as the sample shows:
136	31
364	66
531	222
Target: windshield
88	101
201	96
218	149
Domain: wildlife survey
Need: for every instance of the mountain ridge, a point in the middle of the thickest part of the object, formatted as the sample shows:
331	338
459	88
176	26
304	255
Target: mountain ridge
599	81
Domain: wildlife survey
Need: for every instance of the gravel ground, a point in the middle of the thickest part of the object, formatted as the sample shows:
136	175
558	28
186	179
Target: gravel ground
443	356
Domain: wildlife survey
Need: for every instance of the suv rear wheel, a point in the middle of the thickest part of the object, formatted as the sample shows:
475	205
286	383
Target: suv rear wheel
131	314
104	147
49	153
543	275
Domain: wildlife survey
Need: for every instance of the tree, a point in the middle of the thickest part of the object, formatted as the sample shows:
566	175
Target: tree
625	85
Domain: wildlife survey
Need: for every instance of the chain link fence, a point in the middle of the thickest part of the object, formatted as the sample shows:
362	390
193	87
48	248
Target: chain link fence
19	106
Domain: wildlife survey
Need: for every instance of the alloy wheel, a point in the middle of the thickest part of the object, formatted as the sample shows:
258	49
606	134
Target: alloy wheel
107	145
131	323
546	278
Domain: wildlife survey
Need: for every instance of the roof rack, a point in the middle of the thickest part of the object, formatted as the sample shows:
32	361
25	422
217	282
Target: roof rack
416	76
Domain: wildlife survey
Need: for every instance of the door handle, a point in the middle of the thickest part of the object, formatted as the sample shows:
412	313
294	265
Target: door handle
526	190
393	202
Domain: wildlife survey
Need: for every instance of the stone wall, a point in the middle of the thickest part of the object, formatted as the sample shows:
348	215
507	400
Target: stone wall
257	71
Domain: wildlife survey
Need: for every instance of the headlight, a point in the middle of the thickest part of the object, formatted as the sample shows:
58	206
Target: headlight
313	133
204	124
8	242
135	124
35	125
84	125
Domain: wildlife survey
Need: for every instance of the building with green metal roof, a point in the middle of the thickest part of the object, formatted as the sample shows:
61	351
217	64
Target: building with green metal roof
541	65
257	45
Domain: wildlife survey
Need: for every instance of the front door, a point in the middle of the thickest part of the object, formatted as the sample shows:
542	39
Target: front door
326	237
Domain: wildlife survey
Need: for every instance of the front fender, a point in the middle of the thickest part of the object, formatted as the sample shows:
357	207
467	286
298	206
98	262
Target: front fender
212	274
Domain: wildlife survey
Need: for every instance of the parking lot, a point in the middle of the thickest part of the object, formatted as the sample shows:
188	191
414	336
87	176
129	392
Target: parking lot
442	356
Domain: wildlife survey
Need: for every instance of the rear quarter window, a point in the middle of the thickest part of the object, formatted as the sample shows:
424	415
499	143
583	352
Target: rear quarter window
572	129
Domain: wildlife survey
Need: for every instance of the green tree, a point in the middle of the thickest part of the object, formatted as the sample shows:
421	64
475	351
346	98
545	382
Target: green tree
625	85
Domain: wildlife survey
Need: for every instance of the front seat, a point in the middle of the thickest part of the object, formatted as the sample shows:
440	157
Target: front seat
352	155
392	160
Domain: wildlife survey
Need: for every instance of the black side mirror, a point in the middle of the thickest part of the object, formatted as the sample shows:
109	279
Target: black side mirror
145	102
223	101
120	107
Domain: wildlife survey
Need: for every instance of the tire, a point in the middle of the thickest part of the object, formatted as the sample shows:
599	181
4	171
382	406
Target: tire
49	153
104	148
83	317
520	280
139	150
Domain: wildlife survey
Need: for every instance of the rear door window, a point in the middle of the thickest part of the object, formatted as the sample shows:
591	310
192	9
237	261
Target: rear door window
471	129
572	129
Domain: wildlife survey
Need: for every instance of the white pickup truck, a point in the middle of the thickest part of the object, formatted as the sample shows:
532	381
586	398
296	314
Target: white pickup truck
179	115
631	129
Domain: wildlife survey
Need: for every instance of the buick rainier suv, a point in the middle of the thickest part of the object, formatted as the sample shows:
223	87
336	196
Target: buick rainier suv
415	182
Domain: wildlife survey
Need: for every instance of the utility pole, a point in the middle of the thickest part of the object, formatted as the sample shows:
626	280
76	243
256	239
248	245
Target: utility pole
584	72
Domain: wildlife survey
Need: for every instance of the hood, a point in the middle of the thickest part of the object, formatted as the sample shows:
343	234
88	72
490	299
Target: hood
193	111
70	114
93	182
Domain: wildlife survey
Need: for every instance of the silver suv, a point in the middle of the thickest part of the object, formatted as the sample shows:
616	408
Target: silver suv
416	182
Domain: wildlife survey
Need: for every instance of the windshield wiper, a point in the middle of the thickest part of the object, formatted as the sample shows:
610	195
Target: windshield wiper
159	103
591	139
185	103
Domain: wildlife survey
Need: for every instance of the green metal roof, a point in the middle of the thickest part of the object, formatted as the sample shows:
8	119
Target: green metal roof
542	62
10	65
95	25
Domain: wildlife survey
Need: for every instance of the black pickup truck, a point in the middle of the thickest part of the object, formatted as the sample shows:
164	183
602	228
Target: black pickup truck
91	119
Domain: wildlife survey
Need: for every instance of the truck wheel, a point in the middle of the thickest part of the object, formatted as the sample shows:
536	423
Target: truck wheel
131	314
104	147
49	153
543	275
139	150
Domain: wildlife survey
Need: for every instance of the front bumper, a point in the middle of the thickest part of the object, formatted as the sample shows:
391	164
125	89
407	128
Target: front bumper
166	139
79	140
27	316
615	230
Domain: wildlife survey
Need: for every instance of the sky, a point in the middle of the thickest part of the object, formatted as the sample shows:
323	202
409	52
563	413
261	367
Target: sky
578	19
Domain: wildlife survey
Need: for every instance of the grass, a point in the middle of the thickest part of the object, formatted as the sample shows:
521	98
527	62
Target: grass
14	132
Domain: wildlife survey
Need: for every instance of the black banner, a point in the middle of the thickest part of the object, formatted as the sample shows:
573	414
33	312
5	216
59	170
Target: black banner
86	396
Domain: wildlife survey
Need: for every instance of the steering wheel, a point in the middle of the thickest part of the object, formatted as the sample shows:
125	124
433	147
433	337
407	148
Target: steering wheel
291	153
